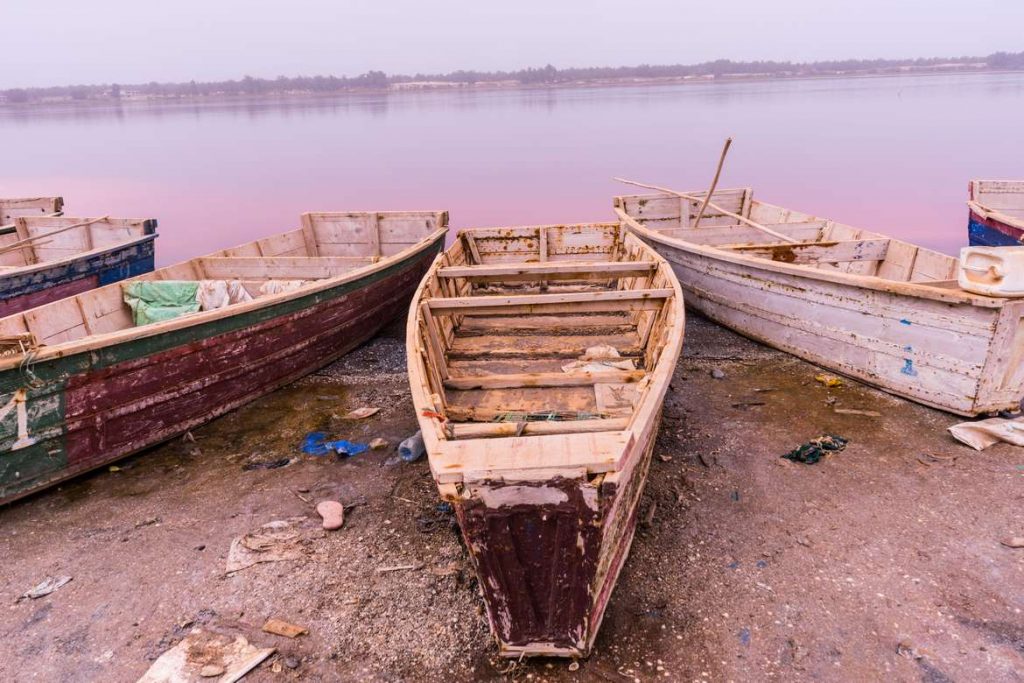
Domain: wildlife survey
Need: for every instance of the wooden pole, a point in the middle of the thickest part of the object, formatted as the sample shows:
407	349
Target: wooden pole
741	219
22	243
714	182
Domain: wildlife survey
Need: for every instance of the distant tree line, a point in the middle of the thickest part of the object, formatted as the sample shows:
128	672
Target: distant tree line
547	75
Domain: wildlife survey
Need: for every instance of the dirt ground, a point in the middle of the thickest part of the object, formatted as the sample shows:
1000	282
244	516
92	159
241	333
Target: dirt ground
878	563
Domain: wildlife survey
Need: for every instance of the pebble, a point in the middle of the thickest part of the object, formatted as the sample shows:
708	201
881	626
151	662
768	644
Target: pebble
333	513
717	373
211	670
1013	542
291	662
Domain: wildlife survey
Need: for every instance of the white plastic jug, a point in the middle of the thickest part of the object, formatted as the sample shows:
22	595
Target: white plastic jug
993	271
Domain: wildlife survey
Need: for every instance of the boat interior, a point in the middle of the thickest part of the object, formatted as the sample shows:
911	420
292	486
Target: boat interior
327	246
543	330
1005	198
800	238
40	239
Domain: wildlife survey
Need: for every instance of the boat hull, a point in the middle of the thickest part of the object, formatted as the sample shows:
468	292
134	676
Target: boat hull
990	232
67	415
20	291
957	357
548	553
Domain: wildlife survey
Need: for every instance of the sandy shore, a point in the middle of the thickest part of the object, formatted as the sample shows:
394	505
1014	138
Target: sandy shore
879	563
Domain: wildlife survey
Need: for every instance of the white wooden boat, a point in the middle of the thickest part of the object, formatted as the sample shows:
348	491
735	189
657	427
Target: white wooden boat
538	360
860	303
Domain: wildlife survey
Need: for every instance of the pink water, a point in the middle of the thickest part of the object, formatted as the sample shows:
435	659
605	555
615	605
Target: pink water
888	154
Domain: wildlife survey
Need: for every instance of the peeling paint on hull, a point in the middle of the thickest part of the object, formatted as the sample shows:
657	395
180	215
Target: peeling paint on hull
547	569
95	407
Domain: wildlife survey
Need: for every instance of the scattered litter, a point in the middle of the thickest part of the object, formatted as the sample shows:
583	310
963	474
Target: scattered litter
762	390
930	459
664	458
283	628
301	497
275	541
445	508
113	468
829	380
599	359
51	584
905	648
748	404
266	465
187	436
980	435
852	411
813	451
1013	542
378	444
360	413
574	666
316	443
703	459
744	635
291	662
446	569
413	448
717	373
202	654
400	568
333	514
149	521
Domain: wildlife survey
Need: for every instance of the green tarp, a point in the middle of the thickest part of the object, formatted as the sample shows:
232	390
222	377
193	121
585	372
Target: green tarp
152	301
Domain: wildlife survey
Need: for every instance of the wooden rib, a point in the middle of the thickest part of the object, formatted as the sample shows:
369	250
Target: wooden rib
471	247
434	338
586	301
375	235
309	235
544	379
551	270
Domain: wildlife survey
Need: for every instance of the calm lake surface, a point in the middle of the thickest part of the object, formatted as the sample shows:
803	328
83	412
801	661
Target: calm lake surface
889	154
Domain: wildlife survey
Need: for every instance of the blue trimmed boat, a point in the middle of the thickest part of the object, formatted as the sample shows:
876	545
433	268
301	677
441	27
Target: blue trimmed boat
46	257
996	213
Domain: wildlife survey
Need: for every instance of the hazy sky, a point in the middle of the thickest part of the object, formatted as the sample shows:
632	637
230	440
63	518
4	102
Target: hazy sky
50	42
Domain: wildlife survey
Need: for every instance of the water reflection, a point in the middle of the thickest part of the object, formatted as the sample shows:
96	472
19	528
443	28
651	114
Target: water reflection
891	154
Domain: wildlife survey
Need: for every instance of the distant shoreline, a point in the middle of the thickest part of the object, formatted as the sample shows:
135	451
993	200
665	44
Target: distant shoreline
413	87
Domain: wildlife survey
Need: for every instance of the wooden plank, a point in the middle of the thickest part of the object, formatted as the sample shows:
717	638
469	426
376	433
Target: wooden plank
279	267
434	339
544	379
505	305
550	270
817	252
485	430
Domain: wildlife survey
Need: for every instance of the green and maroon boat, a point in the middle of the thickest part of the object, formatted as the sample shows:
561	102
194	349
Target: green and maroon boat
90	379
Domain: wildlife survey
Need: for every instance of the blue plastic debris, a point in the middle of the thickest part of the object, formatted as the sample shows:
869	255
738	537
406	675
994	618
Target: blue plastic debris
316	443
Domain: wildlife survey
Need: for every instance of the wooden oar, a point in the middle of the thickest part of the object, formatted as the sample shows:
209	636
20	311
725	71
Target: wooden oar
23	243
716	207
714	182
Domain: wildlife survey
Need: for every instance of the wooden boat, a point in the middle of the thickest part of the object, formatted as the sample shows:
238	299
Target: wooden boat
12	208
995	213
81	385
878	309
538	359
47	257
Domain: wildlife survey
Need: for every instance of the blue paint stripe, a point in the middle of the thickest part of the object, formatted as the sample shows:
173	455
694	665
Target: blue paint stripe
110	266
981	235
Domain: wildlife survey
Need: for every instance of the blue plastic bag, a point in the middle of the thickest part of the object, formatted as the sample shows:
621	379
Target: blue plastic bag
316	443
